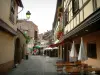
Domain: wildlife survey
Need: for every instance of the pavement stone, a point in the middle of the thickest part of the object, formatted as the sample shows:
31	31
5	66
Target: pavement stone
36	65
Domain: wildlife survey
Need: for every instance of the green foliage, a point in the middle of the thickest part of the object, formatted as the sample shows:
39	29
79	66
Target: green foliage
28	38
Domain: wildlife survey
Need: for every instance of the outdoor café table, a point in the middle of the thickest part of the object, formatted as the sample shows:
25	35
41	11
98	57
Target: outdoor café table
91	69
65	64
59	66
73	70
69	67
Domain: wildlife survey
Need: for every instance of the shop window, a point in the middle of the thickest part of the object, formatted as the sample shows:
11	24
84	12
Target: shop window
75	5
77	46
12	10
91	50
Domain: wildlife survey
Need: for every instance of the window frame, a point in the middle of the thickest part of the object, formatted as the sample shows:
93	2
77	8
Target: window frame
35	35
66	17
12	11
70	9
77	47
75	6
90	51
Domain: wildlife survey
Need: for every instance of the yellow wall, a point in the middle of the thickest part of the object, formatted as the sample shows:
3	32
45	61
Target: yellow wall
6	47
5	12
93	37
88	9
98	3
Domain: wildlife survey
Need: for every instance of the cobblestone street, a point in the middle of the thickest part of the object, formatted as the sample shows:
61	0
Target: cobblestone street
36	65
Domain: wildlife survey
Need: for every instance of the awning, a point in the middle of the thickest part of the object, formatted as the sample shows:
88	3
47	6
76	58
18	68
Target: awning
57	44
56	41
50	48
36	47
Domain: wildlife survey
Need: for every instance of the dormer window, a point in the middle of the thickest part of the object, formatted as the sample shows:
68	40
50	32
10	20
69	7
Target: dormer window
12	11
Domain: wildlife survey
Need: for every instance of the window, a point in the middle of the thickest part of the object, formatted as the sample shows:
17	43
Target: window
77	46
35	36
91	50
70	15
75	4
12	11
66	17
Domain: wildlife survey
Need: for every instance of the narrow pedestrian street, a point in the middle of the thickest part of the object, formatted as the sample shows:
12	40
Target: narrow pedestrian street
49	37
36	65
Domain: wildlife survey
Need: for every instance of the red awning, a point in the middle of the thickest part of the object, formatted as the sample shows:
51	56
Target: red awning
55	45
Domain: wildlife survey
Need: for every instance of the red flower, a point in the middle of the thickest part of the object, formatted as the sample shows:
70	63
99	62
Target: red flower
59	34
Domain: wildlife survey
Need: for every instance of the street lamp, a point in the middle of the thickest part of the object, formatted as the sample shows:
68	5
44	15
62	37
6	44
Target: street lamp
28	14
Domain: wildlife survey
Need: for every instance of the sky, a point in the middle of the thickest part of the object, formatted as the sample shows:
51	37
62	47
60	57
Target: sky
42	13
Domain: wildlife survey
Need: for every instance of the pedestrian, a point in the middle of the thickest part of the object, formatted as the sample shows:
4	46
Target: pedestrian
34	51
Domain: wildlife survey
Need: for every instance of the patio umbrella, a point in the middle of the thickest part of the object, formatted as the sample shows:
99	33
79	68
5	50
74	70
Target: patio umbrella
55	48
49	48
73	53
82	53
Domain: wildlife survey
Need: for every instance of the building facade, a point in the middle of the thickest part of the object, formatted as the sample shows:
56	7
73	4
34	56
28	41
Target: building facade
20	47
8	28
81	19
30	29
58	27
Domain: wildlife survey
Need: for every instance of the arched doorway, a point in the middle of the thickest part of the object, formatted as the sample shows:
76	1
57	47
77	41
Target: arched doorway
23	51
17	51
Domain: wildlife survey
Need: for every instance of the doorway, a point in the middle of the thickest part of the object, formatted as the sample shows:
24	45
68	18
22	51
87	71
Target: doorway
17	51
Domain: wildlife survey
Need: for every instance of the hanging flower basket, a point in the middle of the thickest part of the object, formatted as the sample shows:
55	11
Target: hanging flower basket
59	34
